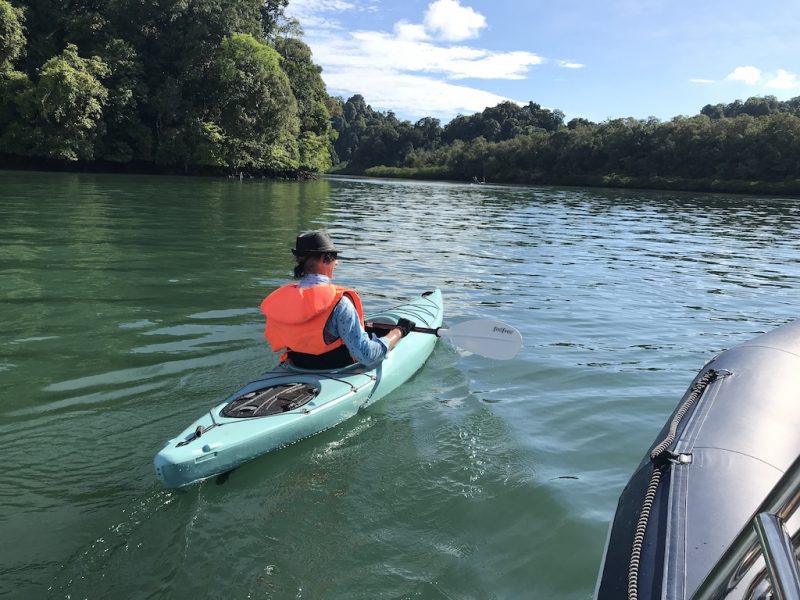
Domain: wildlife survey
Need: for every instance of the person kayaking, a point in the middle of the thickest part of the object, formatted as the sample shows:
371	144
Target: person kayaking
319	325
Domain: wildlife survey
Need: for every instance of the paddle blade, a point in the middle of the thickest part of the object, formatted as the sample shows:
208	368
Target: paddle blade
487	337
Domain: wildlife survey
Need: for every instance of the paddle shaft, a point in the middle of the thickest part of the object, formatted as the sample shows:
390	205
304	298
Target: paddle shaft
389	327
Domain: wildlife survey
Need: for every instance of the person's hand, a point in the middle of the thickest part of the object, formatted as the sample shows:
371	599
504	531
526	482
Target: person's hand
405	326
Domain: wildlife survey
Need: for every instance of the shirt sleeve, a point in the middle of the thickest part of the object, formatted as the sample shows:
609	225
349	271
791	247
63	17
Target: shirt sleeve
345	323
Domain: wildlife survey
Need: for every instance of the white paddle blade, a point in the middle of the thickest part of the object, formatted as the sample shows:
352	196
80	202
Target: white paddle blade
487	337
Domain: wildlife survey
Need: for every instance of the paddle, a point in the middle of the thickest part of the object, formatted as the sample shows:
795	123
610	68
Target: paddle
487	337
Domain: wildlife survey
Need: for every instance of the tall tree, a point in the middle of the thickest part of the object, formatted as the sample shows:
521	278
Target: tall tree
63	108
309	91
123	135
12	36
271	16
252	105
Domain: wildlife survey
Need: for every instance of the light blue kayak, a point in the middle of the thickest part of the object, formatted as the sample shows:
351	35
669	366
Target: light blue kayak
285	404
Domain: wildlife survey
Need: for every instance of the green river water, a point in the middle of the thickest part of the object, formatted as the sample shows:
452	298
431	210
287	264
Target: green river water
129	306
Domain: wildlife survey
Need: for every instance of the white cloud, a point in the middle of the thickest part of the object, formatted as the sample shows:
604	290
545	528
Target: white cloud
413	95
309	12
410	32
779	80
748	75
702	81
362	50
449	21
412	69
783	80
568	64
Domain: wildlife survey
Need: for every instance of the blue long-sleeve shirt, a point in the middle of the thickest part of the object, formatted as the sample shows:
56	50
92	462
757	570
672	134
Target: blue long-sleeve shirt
345	323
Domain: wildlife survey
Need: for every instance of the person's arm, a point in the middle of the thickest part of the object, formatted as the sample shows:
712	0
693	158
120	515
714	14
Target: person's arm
404	327
346	324
393	337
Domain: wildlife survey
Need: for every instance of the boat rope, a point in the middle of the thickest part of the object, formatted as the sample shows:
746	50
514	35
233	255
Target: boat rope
697	390
659	457
353	387
638	537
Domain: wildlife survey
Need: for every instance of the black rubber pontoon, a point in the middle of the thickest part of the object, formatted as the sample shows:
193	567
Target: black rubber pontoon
729	441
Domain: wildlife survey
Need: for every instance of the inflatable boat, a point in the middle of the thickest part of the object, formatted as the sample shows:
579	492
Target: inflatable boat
708	513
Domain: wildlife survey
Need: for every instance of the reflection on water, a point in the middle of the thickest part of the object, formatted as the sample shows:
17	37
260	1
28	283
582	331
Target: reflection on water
130	305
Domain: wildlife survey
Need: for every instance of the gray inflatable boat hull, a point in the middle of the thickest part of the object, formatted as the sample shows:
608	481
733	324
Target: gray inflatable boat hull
728	448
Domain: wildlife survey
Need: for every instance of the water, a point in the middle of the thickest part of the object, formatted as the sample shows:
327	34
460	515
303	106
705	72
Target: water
129	306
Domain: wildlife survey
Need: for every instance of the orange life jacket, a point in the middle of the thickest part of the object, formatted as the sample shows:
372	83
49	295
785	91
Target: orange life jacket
296	317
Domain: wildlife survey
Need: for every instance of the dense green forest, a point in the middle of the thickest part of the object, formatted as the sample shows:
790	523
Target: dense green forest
191	86
742	146
210	86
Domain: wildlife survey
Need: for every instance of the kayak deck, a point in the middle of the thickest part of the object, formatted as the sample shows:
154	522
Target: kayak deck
287	404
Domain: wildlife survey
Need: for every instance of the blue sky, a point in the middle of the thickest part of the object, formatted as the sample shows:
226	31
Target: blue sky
594	59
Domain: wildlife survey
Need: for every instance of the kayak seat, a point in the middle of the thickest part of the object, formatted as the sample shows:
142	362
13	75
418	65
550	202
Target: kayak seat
335	359
273	400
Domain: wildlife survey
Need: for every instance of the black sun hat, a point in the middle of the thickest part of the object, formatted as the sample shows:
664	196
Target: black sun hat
313	242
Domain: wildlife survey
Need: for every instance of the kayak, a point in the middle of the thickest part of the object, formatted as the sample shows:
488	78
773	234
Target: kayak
287	404
720	470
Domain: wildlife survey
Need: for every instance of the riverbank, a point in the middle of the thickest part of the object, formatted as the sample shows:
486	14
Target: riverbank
790	187
10	162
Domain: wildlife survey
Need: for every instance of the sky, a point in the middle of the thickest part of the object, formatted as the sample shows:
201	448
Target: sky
594	59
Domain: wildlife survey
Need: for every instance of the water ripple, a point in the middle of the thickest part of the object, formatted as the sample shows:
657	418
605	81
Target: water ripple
131	306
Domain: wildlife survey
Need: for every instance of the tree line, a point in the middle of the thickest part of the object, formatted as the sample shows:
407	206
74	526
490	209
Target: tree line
176	85
751	145
229	86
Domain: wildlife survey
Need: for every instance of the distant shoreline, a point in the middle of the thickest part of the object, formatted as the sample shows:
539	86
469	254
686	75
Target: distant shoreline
789	188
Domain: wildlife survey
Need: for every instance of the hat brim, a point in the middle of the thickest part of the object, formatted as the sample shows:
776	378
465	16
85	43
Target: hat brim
304	252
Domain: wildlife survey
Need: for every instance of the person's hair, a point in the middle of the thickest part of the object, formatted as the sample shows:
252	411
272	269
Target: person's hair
304	261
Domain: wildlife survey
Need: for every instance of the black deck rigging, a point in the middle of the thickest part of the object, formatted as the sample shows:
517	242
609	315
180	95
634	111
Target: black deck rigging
272	400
